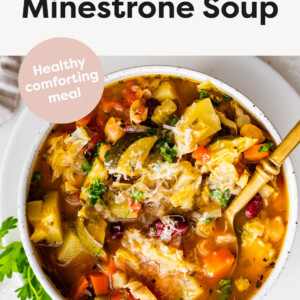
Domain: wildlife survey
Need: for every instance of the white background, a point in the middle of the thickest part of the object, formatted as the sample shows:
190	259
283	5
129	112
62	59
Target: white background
195	36
248	75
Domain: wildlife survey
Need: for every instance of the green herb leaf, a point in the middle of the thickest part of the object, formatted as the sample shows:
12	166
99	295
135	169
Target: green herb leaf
174	120
153	229
265	147
47	153
224	289
86	167
37	175
151	130
97	147
13	259
167	149
127	213
203	94
96	190
8	224
227	98
214	102
137	195
223	197
208	220
239	231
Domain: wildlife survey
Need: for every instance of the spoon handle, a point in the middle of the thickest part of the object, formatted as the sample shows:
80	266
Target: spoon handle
265	171
287	145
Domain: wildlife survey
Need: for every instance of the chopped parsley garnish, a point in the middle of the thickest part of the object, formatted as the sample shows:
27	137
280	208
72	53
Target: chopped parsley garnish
239	231
151	130
224	289
208	220
203	94
96	190
265	147
37	175
223	197
13	259
173	120
47	153
86	167
97	147
167	149
127	213
267	259
153	229
137	195
227	97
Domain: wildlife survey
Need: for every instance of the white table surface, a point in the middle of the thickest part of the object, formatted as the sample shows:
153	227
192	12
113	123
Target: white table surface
288	67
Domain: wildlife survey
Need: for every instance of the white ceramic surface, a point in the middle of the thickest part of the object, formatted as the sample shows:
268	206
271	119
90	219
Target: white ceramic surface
138	71
257	80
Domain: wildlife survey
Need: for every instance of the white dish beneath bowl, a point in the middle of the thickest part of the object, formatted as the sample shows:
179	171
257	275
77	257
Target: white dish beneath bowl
27	117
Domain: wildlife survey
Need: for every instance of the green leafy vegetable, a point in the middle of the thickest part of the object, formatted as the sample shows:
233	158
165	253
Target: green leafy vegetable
96	190
37	175
13	259
167	149
227	97
203	94
151	130
223	197
86	167
8	224
137	195
265	147
173	120
208	220
224	289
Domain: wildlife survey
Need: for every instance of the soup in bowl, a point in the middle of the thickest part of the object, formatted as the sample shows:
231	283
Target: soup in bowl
128	202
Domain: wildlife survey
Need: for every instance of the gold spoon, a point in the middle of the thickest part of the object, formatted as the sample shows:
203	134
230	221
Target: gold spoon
265	171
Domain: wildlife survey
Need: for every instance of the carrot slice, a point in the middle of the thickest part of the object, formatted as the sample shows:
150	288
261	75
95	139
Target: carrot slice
218	262
112	267
80	288
201	154
252	154
84	121
100	283
116	295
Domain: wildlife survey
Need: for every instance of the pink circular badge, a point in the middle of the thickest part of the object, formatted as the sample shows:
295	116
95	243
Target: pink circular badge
61	80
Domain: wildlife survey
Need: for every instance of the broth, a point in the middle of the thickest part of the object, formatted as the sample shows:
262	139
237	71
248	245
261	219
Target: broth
146	223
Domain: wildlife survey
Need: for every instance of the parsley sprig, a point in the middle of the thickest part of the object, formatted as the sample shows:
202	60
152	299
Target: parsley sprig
137	195
86	167
224	289
13	259
167	149
265	147
223	197
96	190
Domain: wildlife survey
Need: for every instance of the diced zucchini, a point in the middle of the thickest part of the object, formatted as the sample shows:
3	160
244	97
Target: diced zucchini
87	241
97	171
121	211
70	248
34	211
97	230
117	149
166	90
133	159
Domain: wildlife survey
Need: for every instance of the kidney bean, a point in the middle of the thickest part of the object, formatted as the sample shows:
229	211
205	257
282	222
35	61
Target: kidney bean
254	206
156	228
116	230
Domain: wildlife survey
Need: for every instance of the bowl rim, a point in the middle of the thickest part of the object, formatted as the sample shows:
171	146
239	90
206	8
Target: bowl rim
189	74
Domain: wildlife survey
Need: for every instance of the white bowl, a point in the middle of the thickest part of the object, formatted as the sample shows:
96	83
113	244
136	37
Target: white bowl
176	71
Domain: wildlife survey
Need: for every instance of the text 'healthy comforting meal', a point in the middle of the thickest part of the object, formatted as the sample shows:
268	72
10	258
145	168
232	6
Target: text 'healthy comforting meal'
128	202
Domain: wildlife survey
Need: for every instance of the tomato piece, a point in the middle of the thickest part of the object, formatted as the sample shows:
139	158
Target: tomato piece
134	206
201	154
